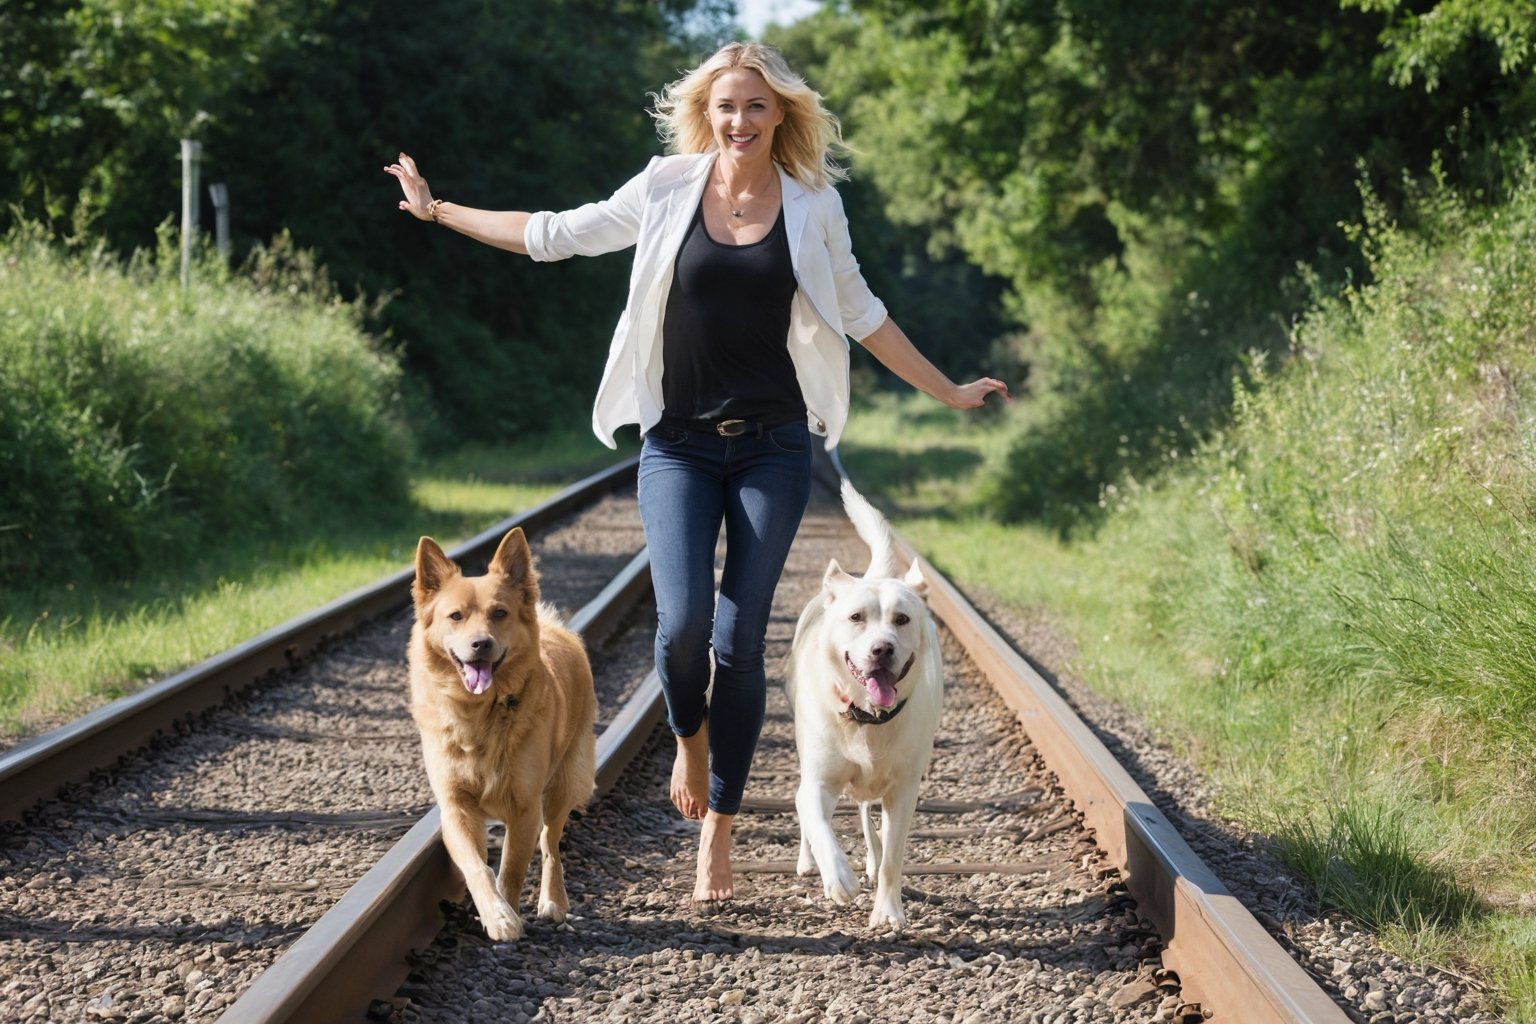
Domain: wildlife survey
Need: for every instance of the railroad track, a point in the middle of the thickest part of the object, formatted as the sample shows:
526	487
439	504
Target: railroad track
277	859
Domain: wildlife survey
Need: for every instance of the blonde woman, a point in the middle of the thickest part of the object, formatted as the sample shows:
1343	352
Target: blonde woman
731	352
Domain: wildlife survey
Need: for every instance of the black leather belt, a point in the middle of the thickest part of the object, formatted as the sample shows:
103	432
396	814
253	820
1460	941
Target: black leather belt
724	428
738	428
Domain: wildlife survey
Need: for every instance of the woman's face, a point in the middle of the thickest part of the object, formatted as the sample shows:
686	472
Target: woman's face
743	112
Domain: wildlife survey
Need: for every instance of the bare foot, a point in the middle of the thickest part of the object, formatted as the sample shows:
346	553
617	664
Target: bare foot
713	881
690	774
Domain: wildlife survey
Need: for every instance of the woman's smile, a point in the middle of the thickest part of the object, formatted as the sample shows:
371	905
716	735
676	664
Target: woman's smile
743	111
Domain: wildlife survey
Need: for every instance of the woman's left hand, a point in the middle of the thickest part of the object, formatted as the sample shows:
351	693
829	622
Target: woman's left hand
974	395
890	344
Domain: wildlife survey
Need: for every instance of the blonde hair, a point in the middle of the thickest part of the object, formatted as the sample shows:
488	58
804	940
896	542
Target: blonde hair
803	143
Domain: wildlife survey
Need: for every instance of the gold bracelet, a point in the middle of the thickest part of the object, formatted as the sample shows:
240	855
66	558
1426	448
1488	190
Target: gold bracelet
432	208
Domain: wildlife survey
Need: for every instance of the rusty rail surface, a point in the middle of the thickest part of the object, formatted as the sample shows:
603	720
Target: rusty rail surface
1225	959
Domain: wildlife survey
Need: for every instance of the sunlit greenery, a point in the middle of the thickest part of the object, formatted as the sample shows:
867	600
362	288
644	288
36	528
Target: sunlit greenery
1329	604
1162	186
299	104
1259	275
141	421
66	648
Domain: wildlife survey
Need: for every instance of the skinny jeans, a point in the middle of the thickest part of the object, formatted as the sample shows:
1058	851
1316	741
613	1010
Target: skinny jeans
690	482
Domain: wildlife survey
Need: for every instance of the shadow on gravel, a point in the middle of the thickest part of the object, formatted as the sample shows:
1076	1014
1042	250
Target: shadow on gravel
561	960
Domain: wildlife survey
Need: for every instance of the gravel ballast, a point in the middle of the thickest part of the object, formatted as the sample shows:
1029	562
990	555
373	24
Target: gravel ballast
158	890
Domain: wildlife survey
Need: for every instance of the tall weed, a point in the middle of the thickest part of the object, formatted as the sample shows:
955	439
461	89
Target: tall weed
1363	861
1356	614
138	419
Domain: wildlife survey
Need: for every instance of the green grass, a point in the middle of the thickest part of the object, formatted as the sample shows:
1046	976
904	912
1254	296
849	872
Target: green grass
1364	861
69	648
1381	802
1331	605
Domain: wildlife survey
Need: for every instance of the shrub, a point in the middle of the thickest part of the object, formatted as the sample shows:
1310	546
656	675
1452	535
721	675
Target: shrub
139	420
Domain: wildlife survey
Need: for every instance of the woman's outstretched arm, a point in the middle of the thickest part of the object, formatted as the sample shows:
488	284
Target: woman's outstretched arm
502	228
890	344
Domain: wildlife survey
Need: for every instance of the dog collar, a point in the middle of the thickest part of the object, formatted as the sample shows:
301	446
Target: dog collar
859	716
853	713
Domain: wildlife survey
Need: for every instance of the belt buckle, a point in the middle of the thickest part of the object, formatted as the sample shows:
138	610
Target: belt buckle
731	428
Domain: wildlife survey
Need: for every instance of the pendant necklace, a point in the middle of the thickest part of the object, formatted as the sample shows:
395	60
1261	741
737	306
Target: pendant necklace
726	195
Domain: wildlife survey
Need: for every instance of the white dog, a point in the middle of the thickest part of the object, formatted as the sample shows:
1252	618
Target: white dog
865	680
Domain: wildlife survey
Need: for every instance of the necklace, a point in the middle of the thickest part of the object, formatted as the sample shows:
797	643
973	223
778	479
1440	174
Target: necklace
739	208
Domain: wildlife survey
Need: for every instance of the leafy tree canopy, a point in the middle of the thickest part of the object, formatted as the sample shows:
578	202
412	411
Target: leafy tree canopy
299	104
1148	177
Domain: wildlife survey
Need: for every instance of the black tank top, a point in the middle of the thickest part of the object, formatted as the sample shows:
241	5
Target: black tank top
725	336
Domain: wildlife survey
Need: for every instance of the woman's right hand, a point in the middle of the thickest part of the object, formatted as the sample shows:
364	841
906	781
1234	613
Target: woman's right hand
418	197
503	229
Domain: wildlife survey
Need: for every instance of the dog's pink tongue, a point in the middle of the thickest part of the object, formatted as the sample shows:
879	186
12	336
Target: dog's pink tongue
477	676
882	691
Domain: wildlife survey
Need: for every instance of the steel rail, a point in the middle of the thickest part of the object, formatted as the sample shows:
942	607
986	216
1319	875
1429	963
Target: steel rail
356	953
1225	960
37	767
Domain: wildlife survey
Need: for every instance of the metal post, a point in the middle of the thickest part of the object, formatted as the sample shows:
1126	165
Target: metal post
191	154
219	192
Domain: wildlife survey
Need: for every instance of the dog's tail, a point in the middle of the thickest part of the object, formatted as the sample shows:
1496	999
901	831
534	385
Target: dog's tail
873	530
549	615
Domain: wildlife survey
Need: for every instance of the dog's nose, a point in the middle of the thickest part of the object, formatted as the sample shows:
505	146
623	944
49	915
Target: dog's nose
481	644
882	651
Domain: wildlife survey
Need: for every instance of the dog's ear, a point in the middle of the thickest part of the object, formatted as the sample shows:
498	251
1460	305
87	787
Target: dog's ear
514	561
916	580
433	569
835	576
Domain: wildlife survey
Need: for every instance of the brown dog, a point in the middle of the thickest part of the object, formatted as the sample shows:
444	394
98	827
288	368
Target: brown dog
502	693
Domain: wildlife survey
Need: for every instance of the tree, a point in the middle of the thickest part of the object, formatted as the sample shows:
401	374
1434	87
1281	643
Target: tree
1147	178
300	104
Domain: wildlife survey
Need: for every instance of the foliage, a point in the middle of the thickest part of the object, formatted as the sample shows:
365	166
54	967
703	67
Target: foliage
950	307
299	105
1367	556
138	421
101	90
1398	446
1329	604
1147	179
1433	45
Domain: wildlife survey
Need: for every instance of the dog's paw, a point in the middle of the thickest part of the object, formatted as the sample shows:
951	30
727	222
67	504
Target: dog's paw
807	863
550	910
839	884
503	923
888	915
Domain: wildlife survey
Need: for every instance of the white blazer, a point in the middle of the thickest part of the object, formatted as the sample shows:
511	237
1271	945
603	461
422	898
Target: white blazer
652	212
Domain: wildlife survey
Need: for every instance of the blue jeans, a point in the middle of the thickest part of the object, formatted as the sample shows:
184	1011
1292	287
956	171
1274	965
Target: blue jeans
689	483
